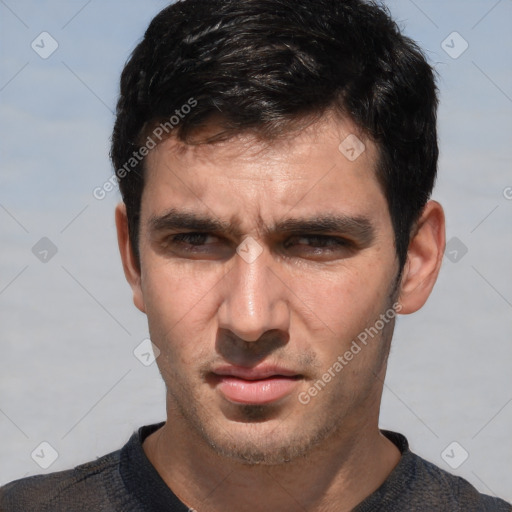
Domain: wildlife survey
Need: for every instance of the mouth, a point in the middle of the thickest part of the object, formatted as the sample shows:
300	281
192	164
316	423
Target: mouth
256	386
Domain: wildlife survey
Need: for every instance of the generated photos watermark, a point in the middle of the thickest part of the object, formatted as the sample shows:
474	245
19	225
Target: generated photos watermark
355	348
158	134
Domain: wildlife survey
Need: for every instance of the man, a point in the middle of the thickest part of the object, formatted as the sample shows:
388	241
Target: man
276	160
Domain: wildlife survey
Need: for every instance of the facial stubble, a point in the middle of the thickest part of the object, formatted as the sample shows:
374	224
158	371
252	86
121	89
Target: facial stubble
282	443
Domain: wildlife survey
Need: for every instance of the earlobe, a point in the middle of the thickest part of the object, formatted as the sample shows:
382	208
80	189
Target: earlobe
424	258
130	265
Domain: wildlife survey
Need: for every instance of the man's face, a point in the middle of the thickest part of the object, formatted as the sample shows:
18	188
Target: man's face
245	335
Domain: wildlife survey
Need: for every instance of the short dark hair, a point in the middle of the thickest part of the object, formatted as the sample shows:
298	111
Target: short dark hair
263	65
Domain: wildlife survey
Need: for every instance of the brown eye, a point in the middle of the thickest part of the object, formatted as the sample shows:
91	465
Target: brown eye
317	241
191	238
196	245
318	247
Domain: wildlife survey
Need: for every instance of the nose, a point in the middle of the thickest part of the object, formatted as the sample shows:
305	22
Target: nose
254	299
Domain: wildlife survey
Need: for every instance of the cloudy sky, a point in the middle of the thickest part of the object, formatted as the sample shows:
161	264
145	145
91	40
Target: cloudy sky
68	375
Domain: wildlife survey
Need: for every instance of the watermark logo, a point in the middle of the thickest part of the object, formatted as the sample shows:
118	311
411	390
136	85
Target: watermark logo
352	147
44	45
44	455
455	249
454	45
454	455
157	135
146	352
249	250
355	348
44	250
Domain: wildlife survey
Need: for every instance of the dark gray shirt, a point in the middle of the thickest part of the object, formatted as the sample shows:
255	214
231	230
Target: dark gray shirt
125	481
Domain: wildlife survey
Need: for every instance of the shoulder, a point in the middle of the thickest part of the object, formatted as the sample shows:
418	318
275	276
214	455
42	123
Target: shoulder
90	483
456	492
418	485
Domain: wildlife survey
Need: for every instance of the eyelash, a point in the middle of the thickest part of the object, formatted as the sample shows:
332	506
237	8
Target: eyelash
183	237
191	240
325	239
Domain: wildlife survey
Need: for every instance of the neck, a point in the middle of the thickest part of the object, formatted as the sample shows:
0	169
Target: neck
336	475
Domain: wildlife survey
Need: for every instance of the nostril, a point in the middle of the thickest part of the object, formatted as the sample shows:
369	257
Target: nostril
239	351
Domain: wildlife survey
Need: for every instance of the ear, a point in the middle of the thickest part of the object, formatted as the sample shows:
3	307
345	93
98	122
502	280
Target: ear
130	265
424	258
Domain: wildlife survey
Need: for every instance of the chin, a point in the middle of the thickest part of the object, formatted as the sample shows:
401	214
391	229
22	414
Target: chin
269	443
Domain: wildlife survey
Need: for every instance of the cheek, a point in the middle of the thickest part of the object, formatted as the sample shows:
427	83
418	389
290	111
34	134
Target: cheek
344	301
346	304
179	306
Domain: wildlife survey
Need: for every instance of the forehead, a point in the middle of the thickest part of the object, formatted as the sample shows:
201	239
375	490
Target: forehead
329	166
293	144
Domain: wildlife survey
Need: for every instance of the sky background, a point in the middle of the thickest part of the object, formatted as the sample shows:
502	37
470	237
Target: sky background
68	328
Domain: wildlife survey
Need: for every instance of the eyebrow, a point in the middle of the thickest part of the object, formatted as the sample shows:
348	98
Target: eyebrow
359	227
174	219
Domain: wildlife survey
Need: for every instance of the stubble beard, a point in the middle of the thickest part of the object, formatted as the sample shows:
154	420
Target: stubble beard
263	447
257	445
